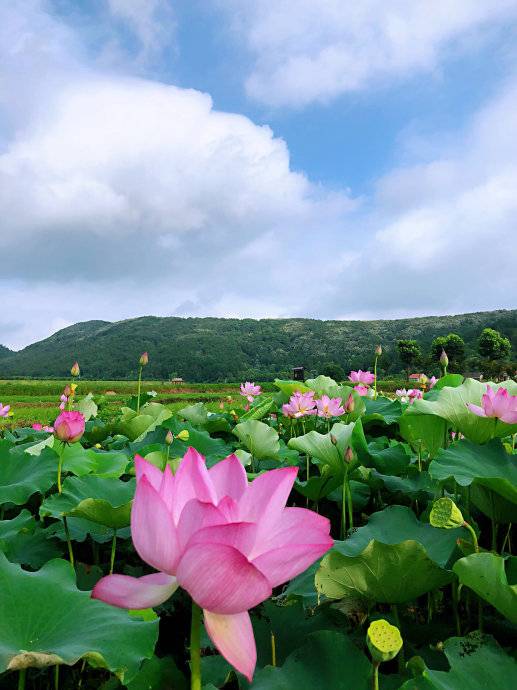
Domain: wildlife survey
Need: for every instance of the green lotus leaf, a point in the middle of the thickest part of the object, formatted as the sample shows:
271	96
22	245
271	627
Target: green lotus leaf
451	404
290	387
23	540
22	475
382	410
493	578
426	433
260	439
79	530
415	484
493	505
81	461
136	426
259	409
158	674
199	415
327	660
476	661
87	407
386	457
45	620
321	448
489	466
104	501
213	449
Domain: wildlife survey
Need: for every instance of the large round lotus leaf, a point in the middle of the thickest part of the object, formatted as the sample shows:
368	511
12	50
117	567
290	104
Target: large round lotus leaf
386	458
489	466
79	529
258	410
46	620
451	404
81	461
476	661
290	387
321	448
137	425
425	432
104	501
493	578
22	475
23	540
493	505
384	573
414	485
382	410
260	439
159	674
326	660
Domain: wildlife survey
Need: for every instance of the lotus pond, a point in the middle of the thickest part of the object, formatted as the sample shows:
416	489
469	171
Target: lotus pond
324	536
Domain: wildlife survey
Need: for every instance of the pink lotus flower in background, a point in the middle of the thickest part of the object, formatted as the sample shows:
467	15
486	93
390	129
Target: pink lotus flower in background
497	404
300	405
37	427
329	407
226	542
361	390
4	410
250	391
432	382
409	396
360	376
69	426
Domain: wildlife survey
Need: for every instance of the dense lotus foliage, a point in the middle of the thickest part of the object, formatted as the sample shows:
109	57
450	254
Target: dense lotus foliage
322	536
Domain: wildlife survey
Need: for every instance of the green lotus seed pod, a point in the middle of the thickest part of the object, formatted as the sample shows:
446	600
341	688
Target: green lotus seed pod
446	514
384	640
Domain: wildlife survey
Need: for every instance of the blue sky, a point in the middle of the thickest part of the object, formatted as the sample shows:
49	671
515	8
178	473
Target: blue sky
235	158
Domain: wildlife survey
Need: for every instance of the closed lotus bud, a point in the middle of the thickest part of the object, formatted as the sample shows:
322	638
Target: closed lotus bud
333	439
444	360
169	438
350	404
446	514
69	427
378	351
384	641
144	359
183	435
75	371
349	455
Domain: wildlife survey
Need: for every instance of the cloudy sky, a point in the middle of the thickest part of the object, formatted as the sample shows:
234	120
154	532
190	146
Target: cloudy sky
255	158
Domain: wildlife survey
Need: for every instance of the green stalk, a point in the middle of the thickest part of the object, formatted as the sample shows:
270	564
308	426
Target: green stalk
454	587
343	504
474	537
22	674
56	677
69	543
60	467
375	675
195	648
113	549
350	506
139	389
375	379
273	649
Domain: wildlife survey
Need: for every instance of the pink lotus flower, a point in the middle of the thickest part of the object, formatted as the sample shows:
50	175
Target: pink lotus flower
69	426
329	407
4	410
37	427
226	542
409	396
360	376
432	382
498	404
250	390
300	405
361	390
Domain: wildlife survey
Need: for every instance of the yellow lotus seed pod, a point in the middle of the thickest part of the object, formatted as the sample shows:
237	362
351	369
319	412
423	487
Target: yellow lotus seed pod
446	514
183	435
384	640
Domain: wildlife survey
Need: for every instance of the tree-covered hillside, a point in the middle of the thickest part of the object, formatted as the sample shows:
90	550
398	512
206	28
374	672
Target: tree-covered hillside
5	351
213	349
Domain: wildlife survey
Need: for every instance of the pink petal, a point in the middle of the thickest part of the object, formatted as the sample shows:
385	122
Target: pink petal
191	481
479	411
143	468
166	489
194	517
152	529
135	592
509	417
266	497
233	637
240	535
219	578
229	478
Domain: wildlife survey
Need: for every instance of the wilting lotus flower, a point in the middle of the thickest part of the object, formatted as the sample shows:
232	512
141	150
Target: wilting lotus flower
498	404
329	407
226	542
432	382
365	377
69	426
361	390
250	390
300	405
4	410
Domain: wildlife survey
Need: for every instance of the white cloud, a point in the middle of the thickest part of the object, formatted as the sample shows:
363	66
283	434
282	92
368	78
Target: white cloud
305	51
152	21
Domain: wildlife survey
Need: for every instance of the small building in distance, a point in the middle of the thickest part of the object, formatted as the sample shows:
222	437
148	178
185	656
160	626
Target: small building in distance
415	377
177	379
299	373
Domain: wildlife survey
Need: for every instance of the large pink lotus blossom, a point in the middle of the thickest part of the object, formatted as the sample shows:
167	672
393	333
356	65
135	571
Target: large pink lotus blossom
226	542
69	426
360	376
4	410
329	407
498	404
250	391
300	405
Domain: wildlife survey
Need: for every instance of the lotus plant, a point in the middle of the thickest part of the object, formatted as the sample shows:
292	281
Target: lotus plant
364	377
329	407
300	405
4	410
361	390
250	391
409	396
497	404
142	362
227	542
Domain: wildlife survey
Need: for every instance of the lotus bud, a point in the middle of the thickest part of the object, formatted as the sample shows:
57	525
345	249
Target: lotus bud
350	404
69	427
423	379
378	351
183	435
384	641
444	360
144	359
73	388
349	455
333	439
66	392
169	438
75	371
446	514
98	445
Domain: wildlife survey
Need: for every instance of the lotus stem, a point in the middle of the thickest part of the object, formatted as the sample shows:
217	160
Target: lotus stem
69	543
113	549
455	598
21	678
375	378
195	648
343	504
507	539
375	675
273	649
56	677
139	389
350	506
474	537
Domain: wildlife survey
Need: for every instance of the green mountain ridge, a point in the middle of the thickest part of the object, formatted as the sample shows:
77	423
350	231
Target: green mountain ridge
219	349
